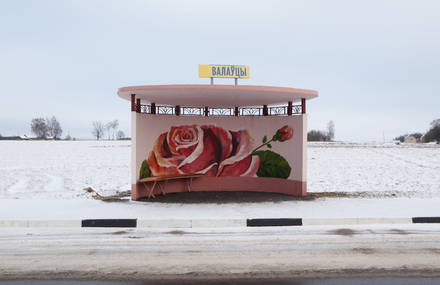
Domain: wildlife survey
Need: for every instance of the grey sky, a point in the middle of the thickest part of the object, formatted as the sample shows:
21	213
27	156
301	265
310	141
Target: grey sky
376	64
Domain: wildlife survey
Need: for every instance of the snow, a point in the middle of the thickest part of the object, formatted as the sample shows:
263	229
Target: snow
45	180
61	169
410	171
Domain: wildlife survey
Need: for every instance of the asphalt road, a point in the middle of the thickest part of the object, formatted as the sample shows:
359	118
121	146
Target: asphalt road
279	252
333	281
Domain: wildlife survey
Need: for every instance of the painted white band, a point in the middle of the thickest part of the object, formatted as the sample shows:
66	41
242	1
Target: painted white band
354	221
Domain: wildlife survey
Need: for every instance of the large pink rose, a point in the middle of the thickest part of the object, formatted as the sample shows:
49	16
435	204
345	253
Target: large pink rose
208	150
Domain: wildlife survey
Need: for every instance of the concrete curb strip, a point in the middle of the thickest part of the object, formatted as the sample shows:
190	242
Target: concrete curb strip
208	223
357	221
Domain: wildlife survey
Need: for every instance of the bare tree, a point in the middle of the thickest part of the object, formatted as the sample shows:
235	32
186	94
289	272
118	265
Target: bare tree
317	136
120	135
107	128
115	125
54	128
98	130
39	127
111	128
436	122
331	130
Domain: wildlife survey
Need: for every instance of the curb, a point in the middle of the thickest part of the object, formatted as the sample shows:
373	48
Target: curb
209	223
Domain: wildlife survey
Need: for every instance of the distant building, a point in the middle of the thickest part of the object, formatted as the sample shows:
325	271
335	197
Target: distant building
410	139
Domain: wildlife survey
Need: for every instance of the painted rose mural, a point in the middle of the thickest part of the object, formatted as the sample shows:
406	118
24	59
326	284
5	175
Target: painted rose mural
214	151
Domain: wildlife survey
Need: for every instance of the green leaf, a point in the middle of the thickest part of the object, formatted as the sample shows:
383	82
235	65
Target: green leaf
145	170
272	165
269	145
264	139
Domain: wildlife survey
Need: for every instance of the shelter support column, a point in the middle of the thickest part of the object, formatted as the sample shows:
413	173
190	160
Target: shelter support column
138	105
303	105
153	108
265	110
289	108
304	153
177	110
134	122
133	102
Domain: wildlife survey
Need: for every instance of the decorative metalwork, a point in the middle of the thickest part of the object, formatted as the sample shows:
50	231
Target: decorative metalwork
251	111
146	109
164	110
221	112
278	111
200	111
296	109
191	111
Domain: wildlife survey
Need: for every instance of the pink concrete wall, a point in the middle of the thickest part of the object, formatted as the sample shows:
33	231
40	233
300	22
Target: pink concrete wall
222	148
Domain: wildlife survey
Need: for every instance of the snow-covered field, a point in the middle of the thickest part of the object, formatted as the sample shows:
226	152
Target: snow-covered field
46	179
61	169
410	170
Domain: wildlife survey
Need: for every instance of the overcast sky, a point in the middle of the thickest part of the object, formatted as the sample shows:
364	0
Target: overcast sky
376	64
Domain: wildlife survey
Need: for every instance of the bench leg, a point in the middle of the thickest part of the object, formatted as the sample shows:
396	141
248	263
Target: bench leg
162	186
188	184
151	194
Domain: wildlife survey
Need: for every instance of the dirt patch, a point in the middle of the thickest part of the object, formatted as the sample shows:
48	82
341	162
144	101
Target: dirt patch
119	233
176	232
364	250
343	232
359	194
230	197
224	197
91	252
400	232
433	250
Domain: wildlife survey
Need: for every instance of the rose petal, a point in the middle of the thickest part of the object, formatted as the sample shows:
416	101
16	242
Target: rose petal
204	155
224	139
182	140
242	147
157	170
163	154
245	167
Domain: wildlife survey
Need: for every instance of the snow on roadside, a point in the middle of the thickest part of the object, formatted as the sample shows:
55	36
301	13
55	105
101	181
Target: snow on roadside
50	209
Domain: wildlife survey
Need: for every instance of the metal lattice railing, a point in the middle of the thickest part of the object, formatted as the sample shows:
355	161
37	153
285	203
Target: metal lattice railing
164	110
191	111
242	111
250	111
221	112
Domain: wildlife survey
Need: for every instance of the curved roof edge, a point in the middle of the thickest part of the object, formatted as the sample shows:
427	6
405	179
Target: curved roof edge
216	95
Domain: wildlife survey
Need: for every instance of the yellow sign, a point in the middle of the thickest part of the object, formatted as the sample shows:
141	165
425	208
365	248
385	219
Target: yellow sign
224	71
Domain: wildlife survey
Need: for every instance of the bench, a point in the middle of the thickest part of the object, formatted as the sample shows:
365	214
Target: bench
161	181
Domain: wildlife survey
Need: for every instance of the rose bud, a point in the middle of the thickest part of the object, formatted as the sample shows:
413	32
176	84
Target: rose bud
283	134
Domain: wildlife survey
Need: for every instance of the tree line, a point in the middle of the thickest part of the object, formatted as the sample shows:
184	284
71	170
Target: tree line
322	136
50	128
99	130
44	128
432	135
